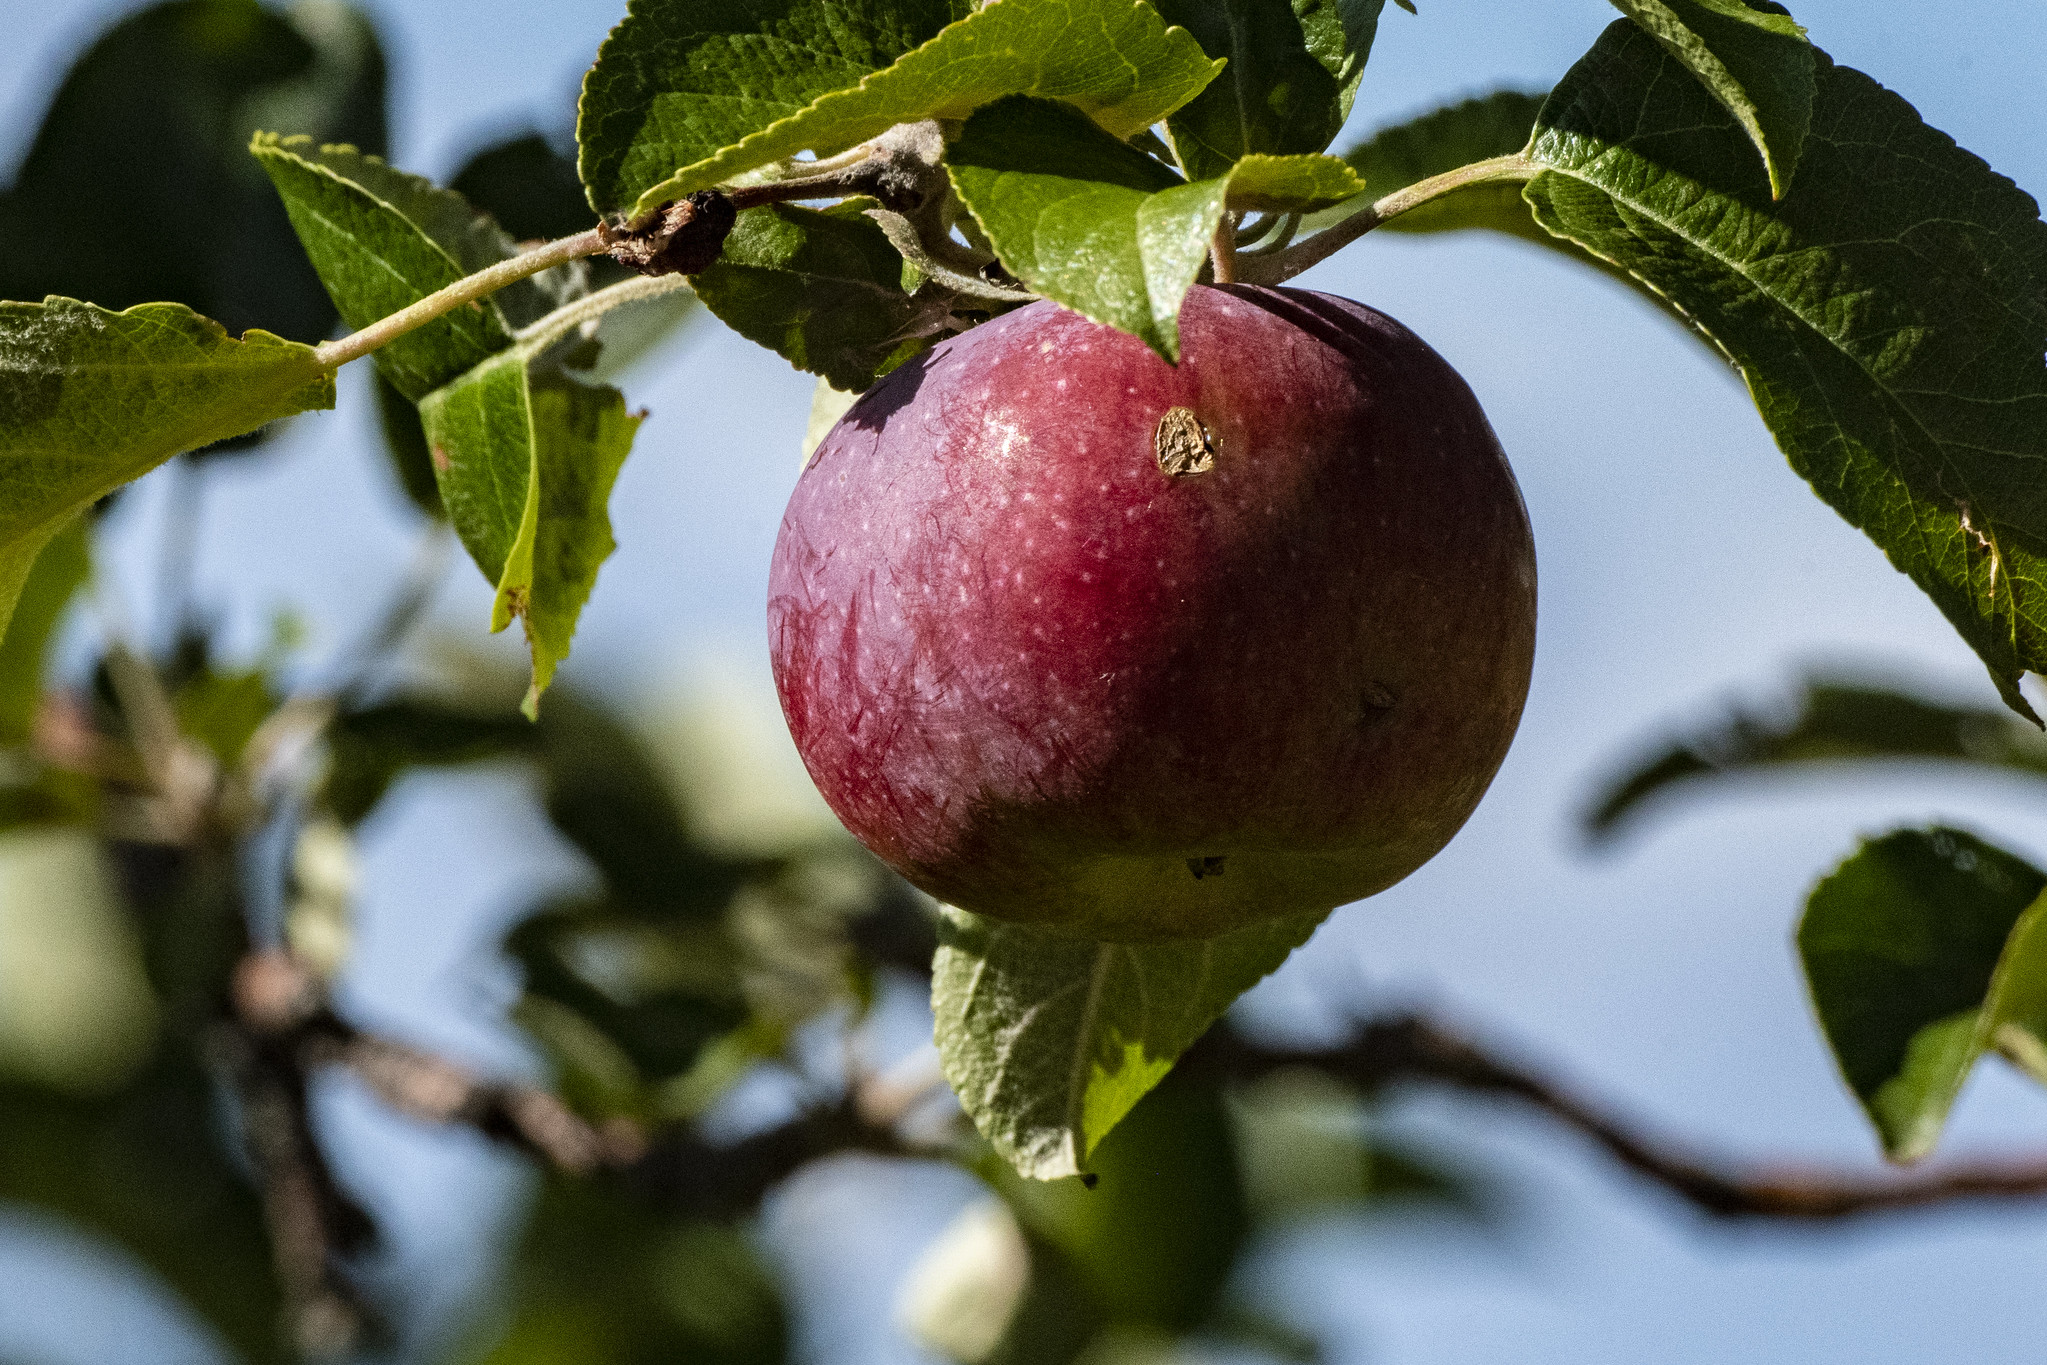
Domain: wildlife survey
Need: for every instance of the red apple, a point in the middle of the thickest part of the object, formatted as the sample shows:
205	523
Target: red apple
1075	638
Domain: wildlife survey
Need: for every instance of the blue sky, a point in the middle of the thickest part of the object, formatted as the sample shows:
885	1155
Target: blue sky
1681	563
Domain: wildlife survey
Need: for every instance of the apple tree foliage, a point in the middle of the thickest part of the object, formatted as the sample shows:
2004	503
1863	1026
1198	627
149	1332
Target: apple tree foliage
846	181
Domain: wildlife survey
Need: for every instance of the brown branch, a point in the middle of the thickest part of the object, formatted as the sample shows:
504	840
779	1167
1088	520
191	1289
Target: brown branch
1413	1049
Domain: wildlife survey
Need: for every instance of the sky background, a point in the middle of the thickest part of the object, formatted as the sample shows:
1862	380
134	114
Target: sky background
1681	565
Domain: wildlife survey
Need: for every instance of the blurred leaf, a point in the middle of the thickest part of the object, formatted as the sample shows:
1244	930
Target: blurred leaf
1902	945
1752	57
147	138
1889	313
1092	223
90	399
602	1278
1114	60
827	406
527	186
1155	1234
351	213
821	290
405	443
1048	1041
370	748
1306	1150
222	710
60	571
1294	67
605	793
148	1169
526	458
76	1013
1833	722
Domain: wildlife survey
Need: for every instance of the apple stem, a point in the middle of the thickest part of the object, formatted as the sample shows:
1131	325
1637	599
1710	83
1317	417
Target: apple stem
1284	265
1223	252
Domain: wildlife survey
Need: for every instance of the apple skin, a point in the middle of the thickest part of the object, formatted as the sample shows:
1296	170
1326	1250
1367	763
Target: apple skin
1050	683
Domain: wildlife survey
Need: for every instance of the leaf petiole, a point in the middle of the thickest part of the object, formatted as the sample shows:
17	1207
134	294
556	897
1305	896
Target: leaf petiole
334	354
1284	265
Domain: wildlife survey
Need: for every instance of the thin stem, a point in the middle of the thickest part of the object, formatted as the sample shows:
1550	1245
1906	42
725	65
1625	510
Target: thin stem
1285	265
1223	252
335	354
590	307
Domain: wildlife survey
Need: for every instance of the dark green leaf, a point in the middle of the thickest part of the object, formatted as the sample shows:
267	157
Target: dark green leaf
146	1168
1901	946
1889	313
138	187
822	290
527	186
368	749
381	241
526	458
1156	1236
90	399
1115	60
681	80
59	572
1048	1041
1753	58
405	442
603	1277
1830	722
1294	67
1096	225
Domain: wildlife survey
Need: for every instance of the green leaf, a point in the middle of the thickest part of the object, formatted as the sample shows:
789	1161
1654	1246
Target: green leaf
60	570
1154	1237
90	399
382	241
146	139
1048	1041
1753	58
1294	67
525	458
822	290
1889	313
679	81
1115	60
1902	946
1096	225
146	1168
1830	722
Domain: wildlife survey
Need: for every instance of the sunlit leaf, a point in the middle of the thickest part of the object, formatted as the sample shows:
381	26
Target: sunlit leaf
1094	224
1889	313
1048	1041
526	457
1116	61
90	399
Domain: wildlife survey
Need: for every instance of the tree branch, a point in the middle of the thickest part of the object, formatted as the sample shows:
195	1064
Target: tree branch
1412	1049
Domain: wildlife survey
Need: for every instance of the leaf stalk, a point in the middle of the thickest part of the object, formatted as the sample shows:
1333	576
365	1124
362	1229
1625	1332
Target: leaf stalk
1284	265
334	354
